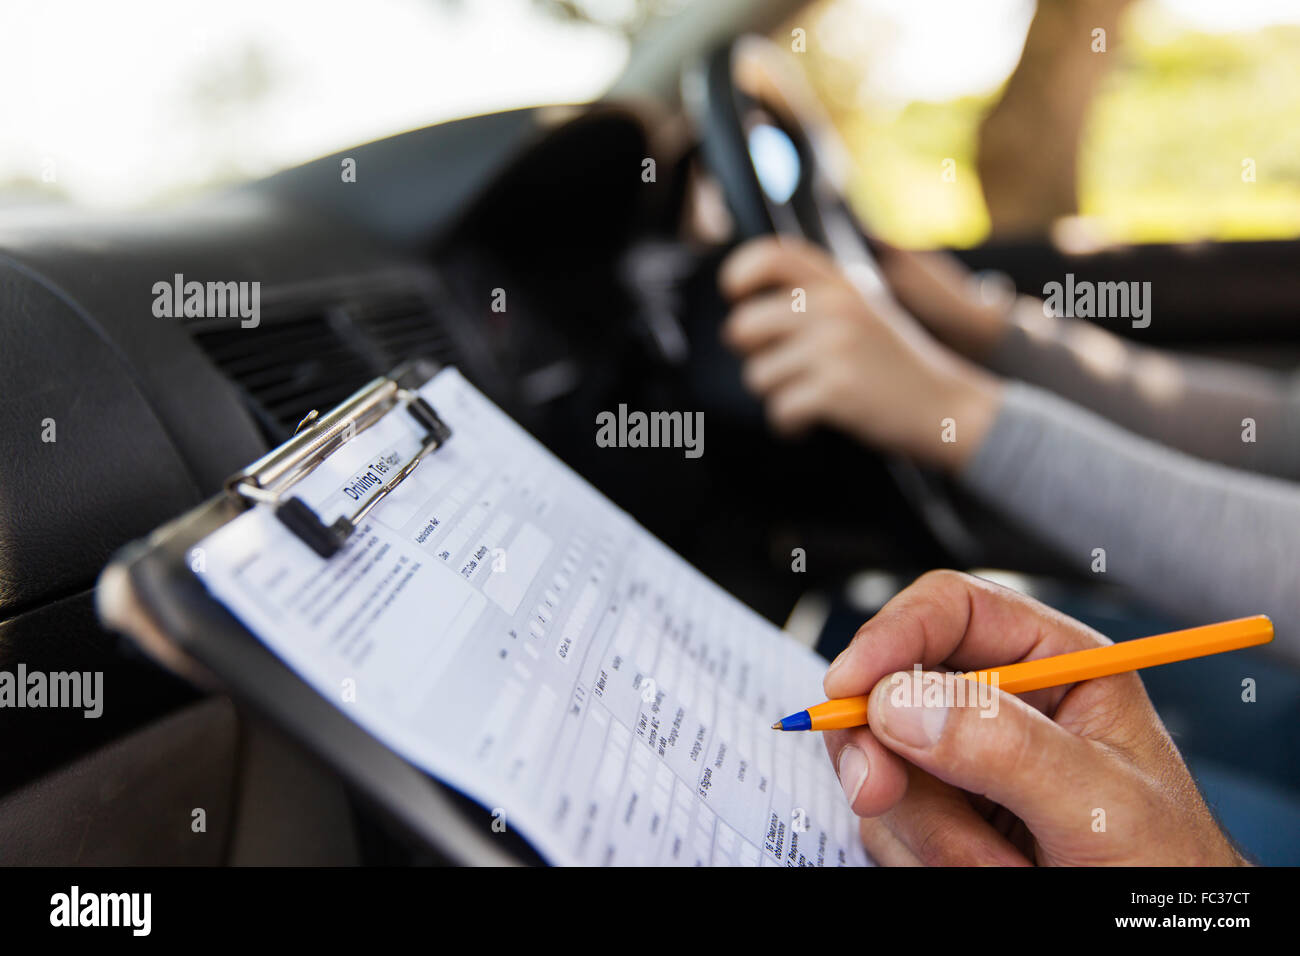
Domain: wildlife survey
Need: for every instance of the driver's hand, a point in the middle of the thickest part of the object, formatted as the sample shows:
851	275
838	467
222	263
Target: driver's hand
944	295
858	364
1084	774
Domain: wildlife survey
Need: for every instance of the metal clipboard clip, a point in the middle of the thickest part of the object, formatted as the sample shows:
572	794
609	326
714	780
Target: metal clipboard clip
269	479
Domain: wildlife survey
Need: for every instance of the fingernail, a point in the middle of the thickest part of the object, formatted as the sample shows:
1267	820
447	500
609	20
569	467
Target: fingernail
839	659
906	717
852	768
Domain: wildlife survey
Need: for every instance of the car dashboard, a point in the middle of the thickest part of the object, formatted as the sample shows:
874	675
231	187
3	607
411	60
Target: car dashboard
532	249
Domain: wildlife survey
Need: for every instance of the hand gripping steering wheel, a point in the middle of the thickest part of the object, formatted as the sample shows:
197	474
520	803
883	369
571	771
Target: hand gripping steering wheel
766	139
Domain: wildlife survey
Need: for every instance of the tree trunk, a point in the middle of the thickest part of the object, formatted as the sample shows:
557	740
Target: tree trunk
1027	154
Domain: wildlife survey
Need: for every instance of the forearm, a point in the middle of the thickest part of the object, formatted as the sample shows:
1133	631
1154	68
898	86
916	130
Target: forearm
1244	417
1198	539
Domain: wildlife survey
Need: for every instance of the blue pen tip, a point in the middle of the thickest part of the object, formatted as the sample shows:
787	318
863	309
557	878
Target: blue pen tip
800	721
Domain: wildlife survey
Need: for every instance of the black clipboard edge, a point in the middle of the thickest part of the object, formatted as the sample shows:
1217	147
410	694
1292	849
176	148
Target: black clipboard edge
149	593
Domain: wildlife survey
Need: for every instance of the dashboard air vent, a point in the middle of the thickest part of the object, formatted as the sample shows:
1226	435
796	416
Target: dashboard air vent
317	344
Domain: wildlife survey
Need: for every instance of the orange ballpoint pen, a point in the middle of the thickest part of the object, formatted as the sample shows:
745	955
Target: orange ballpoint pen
1067	668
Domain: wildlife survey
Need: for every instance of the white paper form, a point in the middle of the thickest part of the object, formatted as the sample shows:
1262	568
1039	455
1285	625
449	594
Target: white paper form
506	628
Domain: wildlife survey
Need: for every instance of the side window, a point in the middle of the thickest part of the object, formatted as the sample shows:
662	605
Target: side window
1098	120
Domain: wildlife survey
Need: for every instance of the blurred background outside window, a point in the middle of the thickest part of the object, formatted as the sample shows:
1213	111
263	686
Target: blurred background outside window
191	94
1145	142
965	120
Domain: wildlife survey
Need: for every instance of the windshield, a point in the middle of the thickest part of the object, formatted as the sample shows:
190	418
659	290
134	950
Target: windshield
134	103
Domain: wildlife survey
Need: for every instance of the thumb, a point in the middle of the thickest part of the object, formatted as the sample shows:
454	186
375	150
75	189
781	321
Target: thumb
988	742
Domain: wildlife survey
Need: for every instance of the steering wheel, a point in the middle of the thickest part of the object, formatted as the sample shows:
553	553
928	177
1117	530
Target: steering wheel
766	139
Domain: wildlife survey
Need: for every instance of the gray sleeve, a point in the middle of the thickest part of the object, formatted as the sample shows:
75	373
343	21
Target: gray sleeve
1192	404
1200	540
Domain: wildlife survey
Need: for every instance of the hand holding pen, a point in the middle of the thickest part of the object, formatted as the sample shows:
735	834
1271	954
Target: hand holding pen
1078	774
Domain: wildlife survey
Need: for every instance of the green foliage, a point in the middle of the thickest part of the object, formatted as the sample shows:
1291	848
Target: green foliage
898	181
1162	153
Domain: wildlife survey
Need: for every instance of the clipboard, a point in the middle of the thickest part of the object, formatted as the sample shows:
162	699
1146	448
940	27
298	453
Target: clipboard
149	593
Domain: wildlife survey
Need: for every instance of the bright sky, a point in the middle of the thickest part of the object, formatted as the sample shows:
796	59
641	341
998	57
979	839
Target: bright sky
127	102
112	102
941	49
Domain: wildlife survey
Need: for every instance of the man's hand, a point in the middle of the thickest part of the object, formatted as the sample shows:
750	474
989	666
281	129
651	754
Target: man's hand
1083	774
860	365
